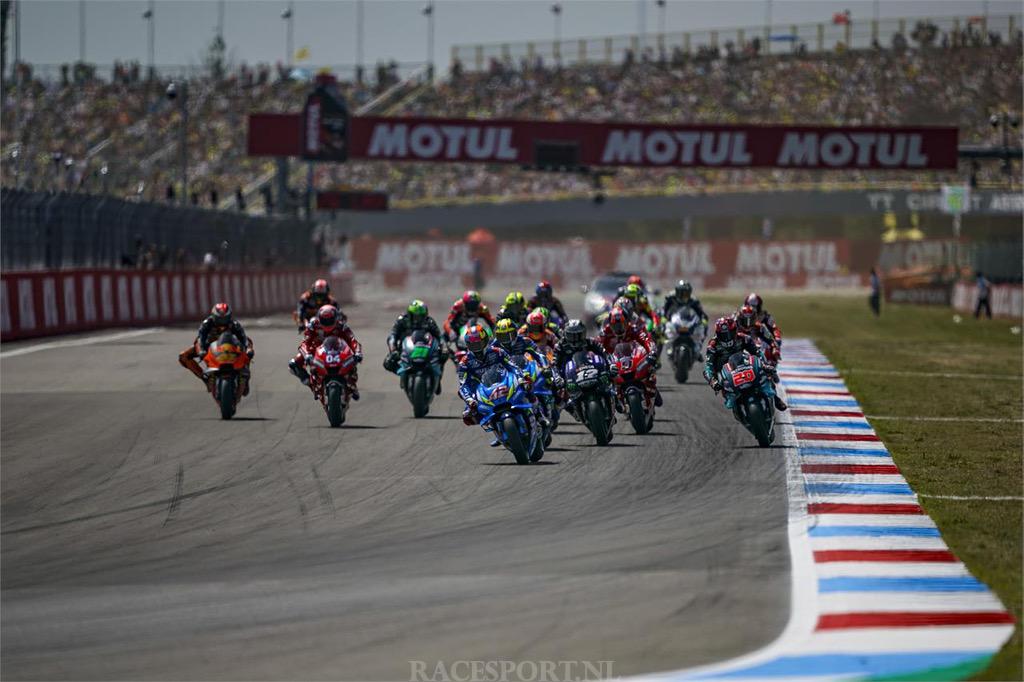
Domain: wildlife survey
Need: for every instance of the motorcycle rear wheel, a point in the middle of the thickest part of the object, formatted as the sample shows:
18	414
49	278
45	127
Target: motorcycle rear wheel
683	361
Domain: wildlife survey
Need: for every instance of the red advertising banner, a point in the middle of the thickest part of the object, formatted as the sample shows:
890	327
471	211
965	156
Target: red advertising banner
60	302
446	264
569	144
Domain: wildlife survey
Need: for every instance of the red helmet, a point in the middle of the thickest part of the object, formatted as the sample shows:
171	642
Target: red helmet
746	318
221	314
321	287
544	289
617	321
725	332
327	316
755	302
471	302
636	279
536	322
476	338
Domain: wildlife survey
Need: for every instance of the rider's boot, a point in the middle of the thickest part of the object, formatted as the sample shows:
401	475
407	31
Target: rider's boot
780	404
300	372
658	402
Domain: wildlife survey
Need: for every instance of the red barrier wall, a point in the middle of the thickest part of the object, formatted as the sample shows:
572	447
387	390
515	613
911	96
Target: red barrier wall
421	263
45	303
1007	300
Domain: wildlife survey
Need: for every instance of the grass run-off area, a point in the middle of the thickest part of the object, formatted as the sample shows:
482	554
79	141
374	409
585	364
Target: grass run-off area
917	361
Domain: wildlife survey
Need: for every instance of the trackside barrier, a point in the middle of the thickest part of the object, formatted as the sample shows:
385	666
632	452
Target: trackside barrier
1007	300
46	303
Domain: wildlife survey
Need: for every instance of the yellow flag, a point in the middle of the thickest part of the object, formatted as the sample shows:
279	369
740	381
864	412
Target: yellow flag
302	54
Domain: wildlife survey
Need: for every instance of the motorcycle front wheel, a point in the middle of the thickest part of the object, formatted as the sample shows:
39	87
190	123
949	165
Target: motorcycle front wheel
420	396
226	397
637	414
597	421
758	424
514	440
335	407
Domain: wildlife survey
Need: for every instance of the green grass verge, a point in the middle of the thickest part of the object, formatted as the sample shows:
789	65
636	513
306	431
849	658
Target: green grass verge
937	458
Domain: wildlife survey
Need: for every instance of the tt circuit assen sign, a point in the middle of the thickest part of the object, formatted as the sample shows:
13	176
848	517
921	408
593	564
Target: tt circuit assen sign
571	144
610	144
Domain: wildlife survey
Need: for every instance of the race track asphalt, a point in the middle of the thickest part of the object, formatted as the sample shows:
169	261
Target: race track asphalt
145	538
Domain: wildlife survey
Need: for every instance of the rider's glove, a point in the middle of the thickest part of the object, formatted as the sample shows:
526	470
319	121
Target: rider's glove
250	353
716	386
359	358
308	359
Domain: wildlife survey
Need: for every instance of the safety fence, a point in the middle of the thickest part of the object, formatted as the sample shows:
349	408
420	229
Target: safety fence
1006	300
46	303
42	230
844	32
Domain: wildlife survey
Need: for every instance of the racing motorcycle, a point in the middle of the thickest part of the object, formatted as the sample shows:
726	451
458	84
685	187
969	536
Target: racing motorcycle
743	378
533	368
681	333
419	369
506	410
634	367
227	372
589	385
329	369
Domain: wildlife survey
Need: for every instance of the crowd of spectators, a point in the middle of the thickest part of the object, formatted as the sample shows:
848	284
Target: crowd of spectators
954	78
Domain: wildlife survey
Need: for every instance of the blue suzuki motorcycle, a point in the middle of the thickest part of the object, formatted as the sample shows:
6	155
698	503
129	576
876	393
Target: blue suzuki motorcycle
505	409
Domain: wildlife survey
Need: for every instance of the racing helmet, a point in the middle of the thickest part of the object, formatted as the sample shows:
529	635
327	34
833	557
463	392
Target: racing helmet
417	311
476	339
617	321
684	290
320	288
505	332
637	280
327	316
515	299
471	302
221	314
725	333
536	323
575	334
626	305
746	318
633	292
755	302
544	289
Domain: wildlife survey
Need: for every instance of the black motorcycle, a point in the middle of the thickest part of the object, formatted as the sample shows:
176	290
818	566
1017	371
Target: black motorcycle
589	385
743	379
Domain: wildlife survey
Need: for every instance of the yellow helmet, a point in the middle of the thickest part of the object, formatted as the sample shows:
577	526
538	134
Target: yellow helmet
505	331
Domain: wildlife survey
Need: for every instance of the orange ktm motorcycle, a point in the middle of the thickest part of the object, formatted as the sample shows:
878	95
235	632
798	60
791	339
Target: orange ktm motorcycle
227	372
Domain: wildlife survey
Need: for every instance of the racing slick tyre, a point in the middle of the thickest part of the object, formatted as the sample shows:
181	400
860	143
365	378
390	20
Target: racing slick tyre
683	361
597	421
759	425
514	440
335	408
420	393
637	414
226	397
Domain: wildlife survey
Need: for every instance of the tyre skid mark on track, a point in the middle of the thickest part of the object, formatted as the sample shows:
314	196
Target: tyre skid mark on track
179	486
326	499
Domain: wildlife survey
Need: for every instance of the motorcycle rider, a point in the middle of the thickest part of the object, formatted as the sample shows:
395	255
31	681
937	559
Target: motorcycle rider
748	324
311	300
538	331
414	318
479	356
220	320
544	297
633	279
766	320
328	322
729	340
469	305
679	300
514	308
618	329
506	335
574	339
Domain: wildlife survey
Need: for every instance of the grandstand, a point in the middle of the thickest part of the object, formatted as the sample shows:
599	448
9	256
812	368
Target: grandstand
119	137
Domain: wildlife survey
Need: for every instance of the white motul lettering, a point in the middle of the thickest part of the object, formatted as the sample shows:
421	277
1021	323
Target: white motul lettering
738	153
51	311
454	136
915	157
660	148
628	258
425	141
70	304
622	147
480	143
799	149
687	146
26	305
748	258
864	142
891	149
506	152
836	149
712	154
89	298
388	140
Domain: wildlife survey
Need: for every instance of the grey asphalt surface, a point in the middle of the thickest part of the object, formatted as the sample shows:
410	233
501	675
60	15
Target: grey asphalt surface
144	538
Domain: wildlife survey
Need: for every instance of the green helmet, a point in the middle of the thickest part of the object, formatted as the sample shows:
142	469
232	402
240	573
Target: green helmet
417	309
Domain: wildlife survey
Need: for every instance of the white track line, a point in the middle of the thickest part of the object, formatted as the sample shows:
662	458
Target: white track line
88	341
995	498
942	419
946	375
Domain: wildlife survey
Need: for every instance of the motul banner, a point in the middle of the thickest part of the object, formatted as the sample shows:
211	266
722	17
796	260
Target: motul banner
449	264
573	144
60	302
624	144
